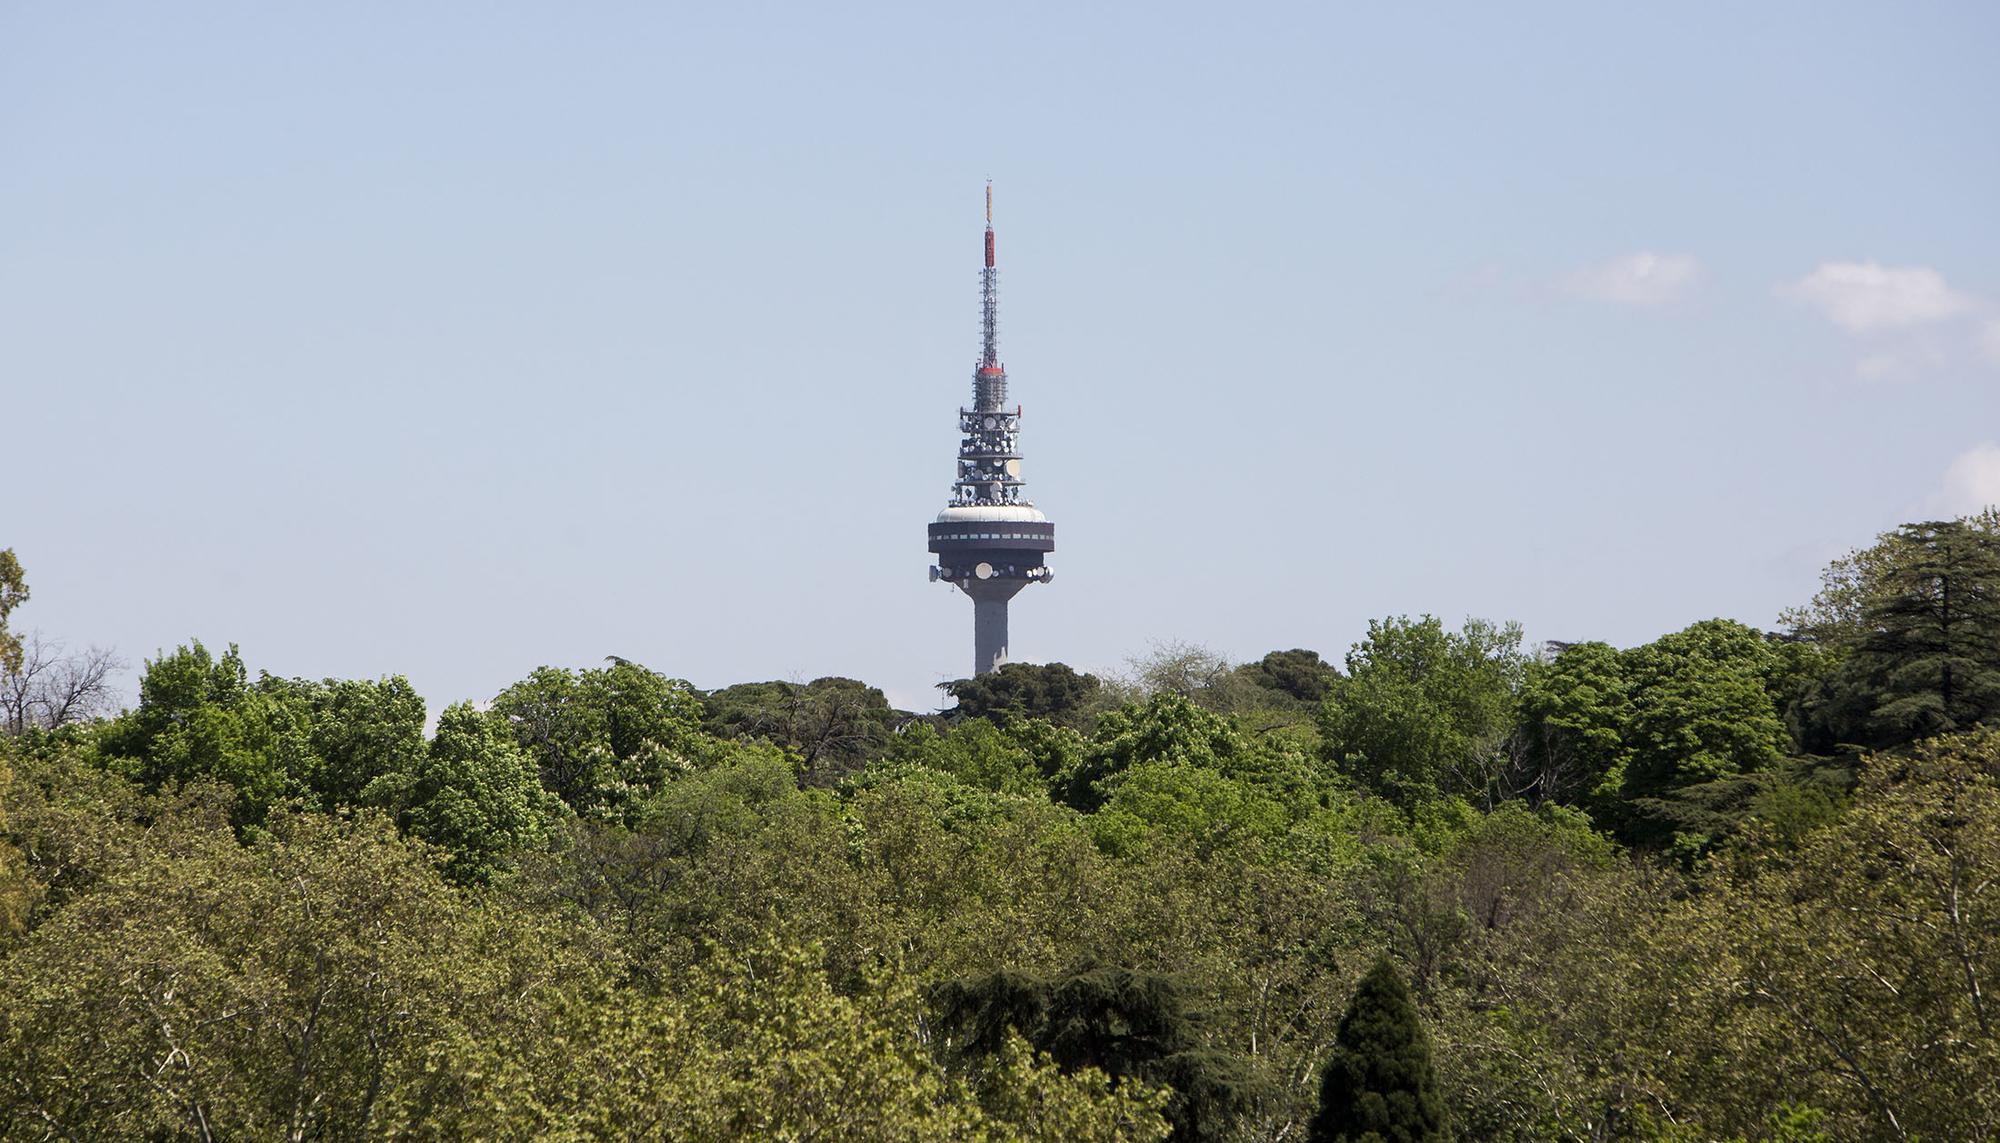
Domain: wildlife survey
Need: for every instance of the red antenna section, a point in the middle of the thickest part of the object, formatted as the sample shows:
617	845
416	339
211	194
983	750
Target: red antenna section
989	249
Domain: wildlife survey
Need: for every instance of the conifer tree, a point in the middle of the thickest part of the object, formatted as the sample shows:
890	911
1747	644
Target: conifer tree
1379	1086
1927	658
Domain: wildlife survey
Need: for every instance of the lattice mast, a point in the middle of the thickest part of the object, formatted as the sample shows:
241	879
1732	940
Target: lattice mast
989	457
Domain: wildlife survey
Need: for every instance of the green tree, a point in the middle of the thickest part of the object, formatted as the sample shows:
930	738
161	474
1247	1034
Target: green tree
1860	972
1576	710
1424	712
834	725
1928	659
1297	674
1192	807
1126	1024
361	731
1836	618
1050	691
604	739
974	751
13	593
1700	706
16	890
314	984
200	717
1167	728
473	793
1379	1085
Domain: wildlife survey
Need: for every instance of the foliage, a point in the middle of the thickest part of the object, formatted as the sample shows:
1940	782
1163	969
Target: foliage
1379	1086
1927	658
1854	582
1170	728
472	793
1424	712
760	1046
1187	806
199	717
13	593
258	906
1576	712
1050	691
603	739
360	731
16	891
1700	710
982	754
833	725
289	988
1870	961
1298	674
1128	1025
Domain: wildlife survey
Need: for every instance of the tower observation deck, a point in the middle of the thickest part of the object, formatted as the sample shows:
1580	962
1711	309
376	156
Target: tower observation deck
990	539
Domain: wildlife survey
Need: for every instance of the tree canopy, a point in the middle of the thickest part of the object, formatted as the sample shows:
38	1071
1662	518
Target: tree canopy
1721	885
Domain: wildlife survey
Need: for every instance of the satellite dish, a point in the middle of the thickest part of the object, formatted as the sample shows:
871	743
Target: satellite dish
991	423
983	571
934	575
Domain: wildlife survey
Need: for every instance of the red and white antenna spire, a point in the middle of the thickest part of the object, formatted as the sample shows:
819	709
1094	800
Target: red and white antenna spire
989	296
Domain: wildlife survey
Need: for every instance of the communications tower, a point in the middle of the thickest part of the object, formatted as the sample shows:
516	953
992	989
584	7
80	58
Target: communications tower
990	539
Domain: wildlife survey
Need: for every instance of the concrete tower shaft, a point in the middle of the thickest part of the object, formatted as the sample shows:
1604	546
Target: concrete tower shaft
990	540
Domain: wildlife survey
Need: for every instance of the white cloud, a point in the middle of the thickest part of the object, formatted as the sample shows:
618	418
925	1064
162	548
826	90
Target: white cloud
1971	483
1881	367
1989	340
1642	279
1867	296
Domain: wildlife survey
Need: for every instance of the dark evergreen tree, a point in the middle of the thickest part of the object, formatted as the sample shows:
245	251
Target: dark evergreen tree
835	725
1052	691
1124	1023
1378	1086
1923	657
1298	674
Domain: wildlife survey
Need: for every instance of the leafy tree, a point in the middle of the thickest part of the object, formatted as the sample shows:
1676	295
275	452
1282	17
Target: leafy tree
361	730
200	717
1127	1024
1379	1085
1297	674
16	891
834	725
473	792
1700	713
13	593
761	1046
603	739
314	984
1167	728
1423	712
1576	710
1050	691
1173	803
1862	972
976	752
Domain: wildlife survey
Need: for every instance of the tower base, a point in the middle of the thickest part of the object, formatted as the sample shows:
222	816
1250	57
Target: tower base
989	620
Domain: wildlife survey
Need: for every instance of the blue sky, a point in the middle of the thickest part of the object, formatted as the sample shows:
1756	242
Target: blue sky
454	339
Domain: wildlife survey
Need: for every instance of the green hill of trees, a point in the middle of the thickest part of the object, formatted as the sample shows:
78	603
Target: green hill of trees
1727	885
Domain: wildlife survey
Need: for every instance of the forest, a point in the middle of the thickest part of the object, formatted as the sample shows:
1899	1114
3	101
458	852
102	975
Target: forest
1731	884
